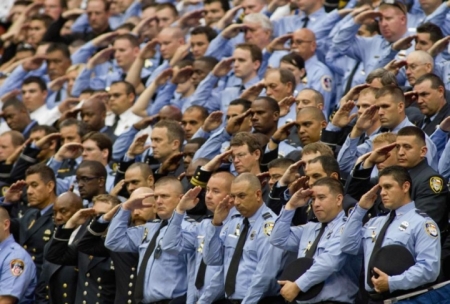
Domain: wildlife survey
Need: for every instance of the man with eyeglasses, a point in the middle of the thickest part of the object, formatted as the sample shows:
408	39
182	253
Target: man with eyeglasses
161	276
319	76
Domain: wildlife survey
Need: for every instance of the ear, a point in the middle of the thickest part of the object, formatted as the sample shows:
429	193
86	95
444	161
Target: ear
406	186
340	199
429	67
176	144
302	72
150	181
105	153
276	115
258	193
102	181
335	175
131	98
323	124
257	153
256	65
401	107
423	151
320	106
50	186
45	92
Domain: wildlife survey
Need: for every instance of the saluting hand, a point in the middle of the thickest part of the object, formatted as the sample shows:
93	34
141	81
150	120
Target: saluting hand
299	199
79	218
222	211
189	200
367	200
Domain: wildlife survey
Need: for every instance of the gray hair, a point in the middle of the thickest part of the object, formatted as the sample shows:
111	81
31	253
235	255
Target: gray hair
261	19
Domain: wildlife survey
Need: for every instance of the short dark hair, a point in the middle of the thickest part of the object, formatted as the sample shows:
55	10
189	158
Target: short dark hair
82	128
45	173
16	104
245	138
47	129
224	3
432	29
386	77
315	147
35	79
318	97
105	2
329	164
209	60
46	19
255	51
333	184
435	80
174	130
197	140
413	131
17	138
96	168
395	92
129	88
58	46
102	141
287	76
126	26
202	110
283	163
130	37
170	6
106	198
146	171
206	30
272	104
294	59
246	104
398	173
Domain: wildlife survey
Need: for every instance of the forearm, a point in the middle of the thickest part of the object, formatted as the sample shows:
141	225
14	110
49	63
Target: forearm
144	101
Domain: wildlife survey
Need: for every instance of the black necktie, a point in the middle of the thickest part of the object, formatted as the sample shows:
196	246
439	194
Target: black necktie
377	246
310	252
230	281
200	279
348	86
116	122
58	96
426	121
305	21
140	279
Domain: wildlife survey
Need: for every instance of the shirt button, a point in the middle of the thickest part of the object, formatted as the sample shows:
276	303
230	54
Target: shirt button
98	295
86	284
130	285
65	295
64	285
85	293
99	280
46	297
132	276
129	302
100	287
88	274
33	257
34	249
25	246
133	269
129	293
84	302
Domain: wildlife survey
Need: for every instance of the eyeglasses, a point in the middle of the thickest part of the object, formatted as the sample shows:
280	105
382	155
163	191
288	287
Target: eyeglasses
239	156
85	179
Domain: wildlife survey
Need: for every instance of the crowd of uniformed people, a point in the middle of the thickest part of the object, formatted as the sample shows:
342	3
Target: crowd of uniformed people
216	151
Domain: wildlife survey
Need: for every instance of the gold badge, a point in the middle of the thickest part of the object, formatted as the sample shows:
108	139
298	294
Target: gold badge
268	228
200	247
373	236
17	267
46	238
48	232
436	184
237	232
4	190
431	229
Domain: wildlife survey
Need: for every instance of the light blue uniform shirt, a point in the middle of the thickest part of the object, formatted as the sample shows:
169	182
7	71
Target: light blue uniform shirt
420	237
17	273
339	271
260	261
166	276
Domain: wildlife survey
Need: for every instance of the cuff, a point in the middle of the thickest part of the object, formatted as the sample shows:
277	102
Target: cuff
63	234
177	218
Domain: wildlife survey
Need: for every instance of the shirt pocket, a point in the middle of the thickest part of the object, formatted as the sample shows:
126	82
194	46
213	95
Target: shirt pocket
398	238
230	245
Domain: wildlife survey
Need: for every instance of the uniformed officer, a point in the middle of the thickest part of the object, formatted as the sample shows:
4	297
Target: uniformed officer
405	226
58	283
242	246
320	241
125	263
154	263
18	275
34	229
206	282
96	275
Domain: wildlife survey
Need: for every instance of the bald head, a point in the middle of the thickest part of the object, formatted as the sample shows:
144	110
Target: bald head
174	183
225	176
313	112
71	199
304	43
173	32
65	206
418	63
94	104
171	113
4	215
250	178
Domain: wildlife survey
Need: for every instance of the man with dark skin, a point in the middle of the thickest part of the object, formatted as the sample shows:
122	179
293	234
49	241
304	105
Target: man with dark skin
58	282
17	118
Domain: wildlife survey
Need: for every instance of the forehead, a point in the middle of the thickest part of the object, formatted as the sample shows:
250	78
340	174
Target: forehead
309	156
90	143
320	190
213	5
305	94
84	171
302	35
37	23
69	129
117	87
38	133
32	85
164	11
387	99
166	188
260	104
124	43
133	173
407	139
10	110
387	179
55	54
377	145
201	65
159	132
192	115
237	149
95	5
33	178
241	186
62	202
367	98
216	182
241	53
199	37
305	116
272	76
277	170
315	168
424	85
5	138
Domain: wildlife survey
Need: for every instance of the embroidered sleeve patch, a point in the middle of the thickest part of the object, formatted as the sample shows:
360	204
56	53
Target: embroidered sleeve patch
268	228
327	83
431	229
17	267
436	184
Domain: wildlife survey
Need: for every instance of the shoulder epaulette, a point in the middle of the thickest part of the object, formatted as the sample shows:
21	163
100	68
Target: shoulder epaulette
267	215
421	213
236	215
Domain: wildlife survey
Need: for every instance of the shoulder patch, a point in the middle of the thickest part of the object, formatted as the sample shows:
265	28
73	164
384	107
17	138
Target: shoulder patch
431	229
267	215
268	228
326	83
436	184
17	267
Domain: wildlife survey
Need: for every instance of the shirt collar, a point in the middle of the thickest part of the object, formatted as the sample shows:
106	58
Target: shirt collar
336	220
43	211
404	209
251	82
30	125
257	214
401	125
6	242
